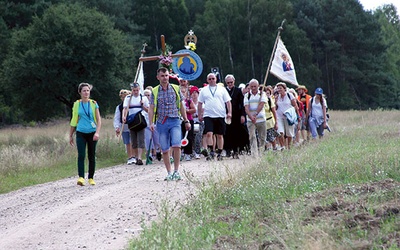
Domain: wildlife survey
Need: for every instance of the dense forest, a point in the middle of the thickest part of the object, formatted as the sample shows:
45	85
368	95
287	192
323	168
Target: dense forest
48	47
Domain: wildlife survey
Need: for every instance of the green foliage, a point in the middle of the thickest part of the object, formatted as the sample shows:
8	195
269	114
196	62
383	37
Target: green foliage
349	52
68	45
50	46
390	27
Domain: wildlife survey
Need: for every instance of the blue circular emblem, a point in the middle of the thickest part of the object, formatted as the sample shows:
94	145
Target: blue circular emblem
188	67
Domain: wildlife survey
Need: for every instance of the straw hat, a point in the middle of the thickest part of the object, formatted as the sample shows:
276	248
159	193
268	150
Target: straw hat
302	87
281	84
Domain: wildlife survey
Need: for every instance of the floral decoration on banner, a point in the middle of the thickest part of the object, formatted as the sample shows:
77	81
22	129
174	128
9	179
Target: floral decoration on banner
192	46
165	59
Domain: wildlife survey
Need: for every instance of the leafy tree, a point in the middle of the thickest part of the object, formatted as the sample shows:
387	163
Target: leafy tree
388	18
19	14
161	17
348	50
69	44
243	34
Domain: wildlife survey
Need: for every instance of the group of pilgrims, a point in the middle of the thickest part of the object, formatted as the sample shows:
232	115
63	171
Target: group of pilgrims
228	120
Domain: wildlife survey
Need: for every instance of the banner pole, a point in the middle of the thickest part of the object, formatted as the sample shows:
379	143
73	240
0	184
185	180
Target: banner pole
273	52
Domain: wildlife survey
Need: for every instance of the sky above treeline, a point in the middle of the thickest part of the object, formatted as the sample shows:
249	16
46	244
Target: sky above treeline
373	4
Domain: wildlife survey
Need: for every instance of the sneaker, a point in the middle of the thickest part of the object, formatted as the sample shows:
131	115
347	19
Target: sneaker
91	182
204	152
159	156
197	156
188	158
139	162
131	161
81	181
176	176
151	157
169	177
223	153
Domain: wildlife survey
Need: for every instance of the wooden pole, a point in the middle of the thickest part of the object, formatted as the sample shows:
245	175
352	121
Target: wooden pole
140	62
273	52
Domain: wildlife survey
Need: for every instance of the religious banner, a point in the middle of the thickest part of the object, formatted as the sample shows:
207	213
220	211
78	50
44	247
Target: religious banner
140	77
282	65
188	67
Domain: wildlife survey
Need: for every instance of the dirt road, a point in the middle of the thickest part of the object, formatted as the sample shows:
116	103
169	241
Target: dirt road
62	215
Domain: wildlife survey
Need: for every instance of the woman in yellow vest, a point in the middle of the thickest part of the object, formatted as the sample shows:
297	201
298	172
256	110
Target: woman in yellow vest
86	122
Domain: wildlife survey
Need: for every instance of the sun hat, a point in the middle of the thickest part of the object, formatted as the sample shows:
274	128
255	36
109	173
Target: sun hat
302	87
319	91
242	85
193	89
281	84
124	92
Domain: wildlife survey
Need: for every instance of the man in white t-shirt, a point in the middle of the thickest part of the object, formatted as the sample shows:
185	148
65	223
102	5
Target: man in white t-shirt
254	102
218	102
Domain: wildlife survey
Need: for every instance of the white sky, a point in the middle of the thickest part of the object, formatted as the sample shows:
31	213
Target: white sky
373	4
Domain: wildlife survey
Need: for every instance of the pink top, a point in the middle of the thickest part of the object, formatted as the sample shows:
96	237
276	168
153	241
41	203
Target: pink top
187	103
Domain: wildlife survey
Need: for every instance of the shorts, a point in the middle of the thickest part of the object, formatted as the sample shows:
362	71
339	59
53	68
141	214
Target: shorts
169	133
126	137
215	125
284	127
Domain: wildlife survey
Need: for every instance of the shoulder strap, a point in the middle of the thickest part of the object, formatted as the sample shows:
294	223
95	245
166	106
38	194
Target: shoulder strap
269	102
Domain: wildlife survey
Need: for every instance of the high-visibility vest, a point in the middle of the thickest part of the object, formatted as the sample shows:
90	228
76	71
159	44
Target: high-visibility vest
75	110
155	94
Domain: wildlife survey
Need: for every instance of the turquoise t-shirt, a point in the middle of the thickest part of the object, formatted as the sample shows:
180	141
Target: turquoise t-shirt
86	122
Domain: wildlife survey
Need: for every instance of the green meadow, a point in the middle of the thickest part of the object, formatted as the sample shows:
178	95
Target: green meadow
340	192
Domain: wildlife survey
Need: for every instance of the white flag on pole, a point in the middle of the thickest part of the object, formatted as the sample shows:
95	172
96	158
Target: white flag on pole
282	65
140	77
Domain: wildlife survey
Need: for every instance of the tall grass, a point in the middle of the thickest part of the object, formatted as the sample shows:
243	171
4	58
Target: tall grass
270	204
33	155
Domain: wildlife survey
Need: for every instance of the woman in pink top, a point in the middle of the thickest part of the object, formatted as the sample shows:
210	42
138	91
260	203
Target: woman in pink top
190	110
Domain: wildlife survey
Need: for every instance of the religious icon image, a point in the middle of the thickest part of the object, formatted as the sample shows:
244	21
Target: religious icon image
286	64
186	67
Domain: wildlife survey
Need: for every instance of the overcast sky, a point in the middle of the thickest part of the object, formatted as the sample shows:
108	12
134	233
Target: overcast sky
372	4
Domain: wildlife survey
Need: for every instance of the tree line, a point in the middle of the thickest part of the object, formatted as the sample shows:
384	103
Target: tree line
48	47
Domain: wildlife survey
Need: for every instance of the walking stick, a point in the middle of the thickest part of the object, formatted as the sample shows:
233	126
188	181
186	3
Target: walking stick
148	160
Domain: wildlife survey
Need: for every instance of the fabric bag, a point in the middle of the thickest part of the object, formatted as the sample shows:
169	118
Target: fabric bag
136	122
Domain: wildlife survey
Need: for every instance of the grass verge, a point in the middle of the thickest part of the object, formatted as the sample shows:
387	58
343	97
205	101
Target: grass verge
341	192
31	156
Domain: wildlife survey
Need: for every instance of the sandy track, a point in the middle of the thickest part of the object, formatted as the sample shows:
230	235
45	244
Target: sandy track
62	215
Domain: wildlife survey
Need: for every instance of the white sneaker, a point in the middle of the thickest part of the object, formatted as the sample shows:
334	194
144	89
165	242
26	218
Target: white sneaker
131	161
188	158
197	156
223	153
